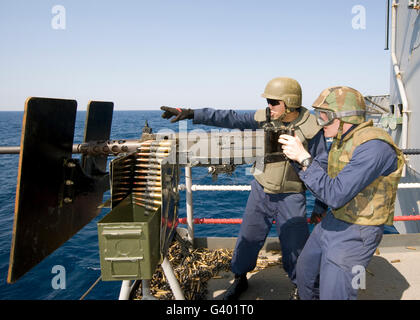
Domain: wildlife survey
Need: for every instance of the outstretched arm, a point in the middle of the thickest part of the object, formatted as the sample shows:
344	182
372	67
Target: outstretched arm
225	119
212	117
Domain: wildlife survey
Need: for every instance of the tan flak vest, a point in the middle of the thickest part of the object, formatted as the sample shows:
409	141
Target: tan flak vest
280	177
374	205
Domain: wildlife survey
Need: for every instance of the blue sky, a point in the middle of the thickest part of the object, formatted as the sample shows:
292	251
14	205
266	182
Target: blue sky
192	53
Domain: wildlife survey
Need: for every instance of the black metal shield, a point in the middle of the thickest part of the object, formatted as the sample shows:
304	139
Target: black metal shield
55	195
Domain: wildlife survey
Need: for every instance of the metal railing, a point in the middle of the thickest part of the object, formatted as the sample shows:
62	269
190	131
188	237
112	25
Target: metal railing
189	188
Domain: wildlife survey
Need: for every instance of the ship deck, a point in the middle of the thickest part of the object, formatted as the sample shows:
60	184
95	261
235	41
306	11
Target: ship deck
391	275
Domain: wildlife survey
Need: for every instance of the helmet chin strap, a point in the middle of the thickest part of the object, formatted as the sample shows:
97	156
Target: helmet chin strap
340	133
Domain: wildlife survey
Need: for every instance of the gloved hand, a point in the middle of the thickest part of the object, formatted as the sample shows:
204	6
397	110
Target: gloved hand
180	114
316	217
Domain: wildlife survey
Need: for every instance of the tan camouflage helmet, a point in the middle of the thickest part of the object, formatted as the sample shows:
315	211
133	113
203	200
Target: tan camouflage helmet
285	89
344	103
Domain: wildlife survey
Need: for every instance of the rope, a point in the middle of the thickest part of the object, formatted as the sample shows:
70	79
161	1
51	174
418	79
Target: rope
221	188
408	185
90	289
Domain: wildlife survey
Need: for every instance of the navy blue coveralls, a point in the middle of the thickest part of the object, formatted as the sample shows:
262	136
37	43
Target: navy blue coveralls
287	209
329	265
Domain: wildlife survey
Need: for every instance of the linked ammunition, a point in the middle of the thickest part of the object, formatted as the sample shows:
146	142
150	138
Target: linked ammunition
147	189
147	200
156	172
151	183
152	166
145	205
151	160
154	142
154	148
148	177
148	194
152	154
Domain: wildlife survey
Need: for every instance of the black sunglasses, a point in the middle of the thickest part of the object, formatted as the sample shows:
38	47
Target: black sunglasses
273	102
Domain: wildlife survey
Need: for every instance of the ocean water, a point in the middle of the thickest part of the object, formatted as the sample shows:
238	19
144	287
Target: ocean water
80	256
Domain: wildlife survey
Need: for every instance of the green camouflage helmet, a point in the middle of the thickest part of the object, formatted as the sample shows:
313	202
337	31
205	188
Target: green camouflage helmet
344	103
284	89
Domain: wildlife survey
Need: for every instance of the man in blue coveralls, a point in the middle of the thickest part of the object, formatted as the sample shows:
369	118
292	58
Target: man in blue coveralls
277	192
358	180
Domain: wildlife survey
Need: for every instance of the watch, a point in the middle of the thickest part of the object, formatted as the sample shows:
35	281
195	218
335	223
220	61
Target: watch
306	162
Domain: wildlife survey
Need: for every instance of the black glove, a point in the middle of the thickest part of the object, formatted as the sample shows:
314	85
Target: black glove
180	114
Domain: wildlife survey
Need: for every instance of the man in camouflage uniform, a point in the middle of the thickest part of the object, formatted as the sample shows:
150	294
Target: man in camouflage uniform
277	192
358	180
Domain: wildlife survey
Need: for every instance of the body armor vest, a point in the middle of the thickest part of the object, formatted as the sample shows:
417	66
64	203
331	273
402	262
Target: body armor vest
281	177
374	205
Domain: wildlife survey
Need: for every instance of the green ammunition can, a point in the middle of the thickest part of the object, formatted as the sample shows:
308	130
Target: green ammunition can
129	242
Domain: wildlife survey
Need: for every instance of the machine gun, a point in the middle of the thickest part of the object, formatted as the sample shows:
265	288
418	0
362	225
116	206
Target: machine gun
57	195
